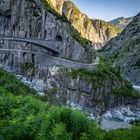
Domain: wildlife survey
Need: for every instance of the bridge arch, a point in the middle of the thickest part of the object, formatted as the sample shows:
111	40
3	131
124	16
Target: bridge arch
45	44
57	61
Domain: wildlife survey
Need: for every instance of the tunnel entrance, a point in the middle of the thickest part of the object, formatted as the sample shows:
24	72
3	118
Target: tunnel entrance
24	54
58	38
33	58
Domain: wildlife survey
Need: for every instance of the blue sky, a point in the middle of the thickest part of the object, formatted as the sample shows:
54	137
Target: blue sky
108	9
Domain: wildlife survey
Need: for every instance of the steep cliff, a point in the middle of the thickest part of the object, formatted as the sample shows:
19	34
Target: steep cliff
92	91
121	22
87	27
83	89
123	51
37	19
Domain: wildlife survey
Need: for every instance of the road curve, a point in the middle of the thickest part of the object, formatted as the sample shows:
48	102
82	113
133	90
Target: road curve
53	61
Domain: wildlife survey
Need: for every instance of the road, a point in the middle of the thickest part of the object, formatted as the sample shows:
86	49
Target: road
53	61
45	44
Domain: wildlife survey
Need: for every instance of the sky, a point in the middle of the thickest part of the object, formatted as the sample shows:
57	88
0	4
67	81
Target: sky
108	9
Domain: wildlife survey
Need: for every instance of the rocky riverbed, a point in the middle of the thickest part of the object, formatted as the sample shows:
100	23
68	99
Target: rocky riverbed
118	117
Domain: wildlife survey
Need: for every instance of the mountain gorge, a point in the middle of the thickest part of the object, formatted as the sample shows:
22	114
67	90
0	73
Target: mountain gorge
97	31
33	21
45	23
98	83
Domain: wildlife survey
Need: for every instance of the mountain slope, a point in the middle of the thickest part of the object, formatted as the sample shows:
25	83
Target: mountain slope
124	51
26	117
121	22
91	91
87	27
38	20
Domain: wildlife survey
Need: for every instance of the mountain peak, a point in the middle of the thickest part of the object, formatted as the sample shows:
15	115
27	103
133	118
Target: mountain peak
121	22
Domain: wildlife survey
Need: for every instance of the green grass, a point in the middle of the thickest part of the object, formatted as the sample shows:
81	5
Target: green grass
23	117
128	48
27	118
36	14
123	134
50	8
10	83
105	72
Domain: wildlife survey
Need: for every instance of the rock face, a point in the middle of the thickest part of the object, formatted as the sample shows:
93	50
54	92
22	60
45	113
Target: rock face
59	86
34	20
121	22
97	31
124	51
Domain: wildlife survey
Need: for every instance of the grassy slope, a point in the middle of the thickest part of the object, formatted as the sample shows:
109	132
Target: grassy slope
24	117
105	72
10	83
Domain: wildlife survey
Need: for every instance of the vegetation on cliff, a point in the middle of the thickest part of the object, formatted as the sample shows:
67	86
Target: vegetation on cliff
24	117
88	28
123	51
50	8
105	72
98	23
74	33
27	118
11	84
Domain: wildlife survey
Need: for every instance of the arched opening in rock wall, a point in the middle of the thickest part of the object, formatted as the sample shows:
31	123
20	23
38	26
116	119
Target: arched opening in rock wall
58	38
33	58
14	27
12	60
24	54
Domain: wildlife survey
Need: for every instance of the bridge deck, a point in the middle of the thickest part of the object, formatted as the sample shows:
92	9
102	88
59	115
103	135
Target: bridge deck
53	61
46	44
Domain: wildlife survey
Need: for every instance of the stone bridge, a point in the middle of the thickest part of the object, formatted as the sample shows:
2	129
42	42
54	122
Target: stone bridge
48	59
56	61
45	44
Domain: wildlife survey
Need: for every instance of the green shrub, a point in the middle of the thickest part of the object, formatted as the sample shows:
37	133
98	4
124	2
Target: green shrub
105	72
50	8
28	118
27	66
135	122
36	14
126	90
10	83
123	134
